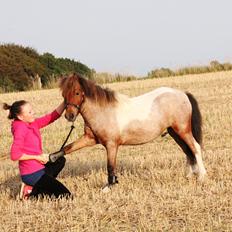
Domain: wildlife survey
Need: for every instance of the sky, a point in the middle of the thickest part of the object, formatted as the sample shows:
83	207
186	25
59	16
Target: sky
130	37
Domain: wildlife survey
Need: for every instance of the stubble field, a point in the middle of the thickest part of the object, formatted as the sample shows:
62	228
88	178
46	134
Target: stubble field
153	193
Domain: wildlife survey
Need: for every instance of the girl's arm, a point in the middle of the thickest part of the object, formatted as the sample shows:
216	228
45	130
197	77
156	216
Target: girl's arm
43	158
49	118
60	109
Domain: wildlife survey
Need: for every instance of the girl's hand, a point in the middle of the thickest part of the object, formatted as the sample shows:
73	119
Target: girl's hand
43	158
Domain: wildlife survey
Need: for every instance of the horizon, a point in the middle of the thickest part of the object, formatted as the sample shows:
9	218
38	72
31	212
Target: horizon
116	73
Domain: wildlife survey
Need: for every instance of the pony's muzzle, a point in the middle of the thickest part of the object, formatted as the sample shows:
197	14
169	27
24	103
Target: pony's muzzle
71	117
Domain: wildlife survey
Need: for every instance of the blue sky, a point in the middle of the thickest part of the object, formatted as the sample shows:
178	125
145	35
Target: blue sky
123	36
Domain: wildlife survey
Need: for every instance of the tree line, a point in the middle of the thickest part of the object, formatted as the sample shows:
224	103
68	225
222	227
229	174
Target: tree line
21	66
214	66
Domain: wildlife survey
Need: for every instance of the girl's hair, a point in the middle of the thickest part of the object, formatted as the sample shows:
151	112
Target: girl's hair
15	109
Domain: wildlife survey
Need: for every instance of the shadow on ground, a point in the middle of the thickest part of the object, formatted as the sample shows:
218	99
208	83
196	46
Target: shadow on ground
11	185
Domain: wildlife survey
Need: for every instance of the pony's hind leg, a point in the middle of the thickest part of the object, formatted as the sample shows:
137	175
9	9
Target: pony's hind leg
191	159
195	148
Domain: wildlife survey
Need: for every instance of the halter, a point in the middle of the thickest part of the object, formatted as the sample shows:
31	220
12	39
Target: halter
78	107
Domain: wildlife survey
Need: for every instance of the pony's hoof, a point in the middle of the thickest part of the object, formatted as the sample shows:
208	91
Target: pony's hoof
201	178
189	176
106	188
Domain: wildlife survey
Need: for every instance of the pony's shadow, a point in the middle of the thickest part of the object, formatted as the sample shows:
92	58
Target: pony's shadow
11	186
86	168
82	169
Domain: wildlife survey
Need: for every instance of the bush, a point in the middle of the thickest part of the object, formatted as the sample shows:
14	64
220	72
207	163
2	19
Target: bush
20	65
214	66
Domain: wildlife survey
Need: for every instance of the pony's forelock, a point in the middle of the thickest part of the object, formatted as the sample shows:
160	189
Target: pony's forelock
67	84
91	90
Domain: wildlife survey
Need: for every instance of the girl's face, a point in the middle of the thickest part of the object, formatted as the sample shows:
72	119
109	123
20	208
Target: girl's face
27	113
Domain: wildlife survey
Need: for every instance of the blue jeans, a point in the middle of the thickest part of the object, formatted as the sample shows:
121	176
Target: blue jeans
33	178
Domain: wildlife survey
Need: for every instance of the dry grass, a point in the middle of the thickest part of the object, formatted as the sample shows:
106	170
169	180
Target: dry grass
153	194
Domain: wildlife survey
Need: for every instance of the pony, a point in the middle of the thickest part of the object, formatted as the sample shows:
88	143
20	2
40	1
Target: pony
113	119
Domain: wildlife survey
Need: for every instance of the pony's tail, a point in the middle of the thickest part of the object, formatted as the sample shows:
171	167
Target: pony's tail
196	120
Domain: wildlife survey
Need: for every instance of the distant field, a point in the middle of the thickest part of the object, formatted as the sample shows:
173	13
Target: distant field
153	193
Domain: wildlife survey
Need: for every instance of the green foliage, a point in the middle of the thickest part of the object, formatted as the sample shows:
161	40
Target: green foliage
105	77
19	65
162	72
214	66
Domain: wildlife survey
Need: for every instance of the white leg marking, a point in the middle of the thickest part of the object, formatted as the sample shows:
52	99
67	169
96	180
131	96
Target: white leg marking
201	169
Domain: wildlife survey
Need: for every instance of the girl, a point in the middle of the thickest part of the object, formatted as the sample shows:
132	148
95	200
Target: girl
35	170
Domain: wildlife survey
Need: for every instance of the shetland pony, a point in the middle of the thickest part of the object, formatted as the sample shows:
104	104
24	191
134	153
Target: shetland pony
113	119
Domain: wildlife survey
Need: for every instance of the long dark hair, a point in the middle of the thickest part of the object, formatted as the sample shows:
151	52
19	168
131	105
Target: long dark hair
15	109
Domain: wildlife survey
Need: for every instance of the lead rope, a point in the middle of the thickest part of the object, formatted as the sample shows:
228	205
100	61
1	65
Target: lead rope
72	127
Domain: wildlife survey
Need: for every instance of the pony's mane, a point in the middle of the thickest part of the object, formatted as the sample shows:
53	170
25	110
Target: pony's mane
91	90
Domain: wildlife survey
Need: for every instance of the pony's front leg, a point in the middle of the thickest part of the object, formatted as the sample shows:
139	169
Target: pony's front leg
88	139
111	163
84	141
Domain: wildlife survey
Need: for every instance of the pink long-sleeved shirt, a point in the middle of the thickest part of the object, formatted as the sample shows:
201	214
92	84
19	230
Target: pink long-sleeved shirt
27	140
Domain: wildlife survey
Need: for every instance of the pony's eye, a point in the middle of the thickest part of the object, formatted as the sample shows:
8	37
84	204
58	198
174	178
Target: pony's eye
77	93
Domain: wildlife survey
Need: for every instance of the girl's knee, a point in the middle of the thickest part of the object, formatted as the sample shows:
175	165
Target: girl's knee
62	160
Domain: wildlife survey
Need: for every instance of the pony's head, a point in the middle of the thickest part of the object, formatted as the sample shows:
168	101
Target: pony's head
73	95
75	89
